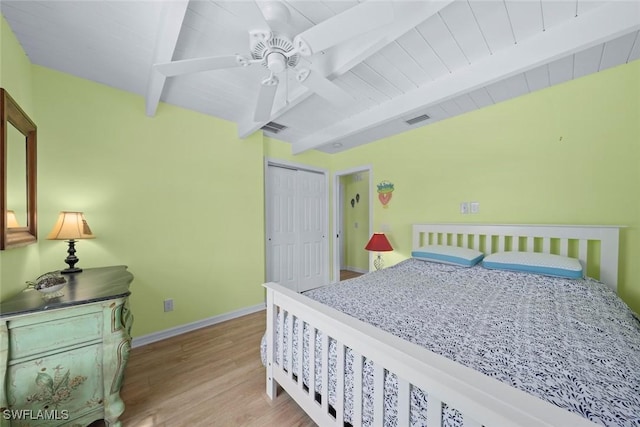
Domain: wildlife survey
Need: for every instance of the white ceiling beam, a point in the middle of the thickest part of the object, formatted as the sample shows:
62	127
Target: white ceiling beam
173	16
590	29
339	60
407	15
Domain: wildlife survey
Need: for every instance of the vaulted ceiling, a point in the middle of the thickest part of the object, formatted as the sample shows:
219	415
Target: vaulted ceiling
341	73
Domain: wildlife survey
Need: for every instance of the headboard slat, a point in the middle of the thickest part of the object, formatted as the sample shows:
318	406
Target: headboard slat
564	247
530	244
583	251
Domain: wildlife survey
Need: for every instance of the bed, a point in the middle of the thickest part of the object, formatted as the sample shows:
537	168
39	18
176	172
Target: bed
437	344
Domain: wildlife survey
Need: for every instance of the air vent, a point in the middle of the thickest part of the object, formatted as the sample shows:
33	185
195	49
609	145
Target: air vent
418	119
273	127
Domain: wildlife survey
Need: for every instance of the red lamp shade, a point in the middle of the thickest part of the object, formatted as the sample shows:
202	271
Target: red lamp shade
378	243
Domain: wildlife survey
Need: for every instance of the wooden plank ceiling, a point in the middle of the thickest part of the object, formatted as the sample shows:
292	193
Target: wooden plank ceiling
433	59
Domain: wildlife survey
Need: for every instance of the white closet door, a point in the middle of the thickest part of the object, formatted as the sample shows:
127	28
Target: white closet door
313	265
282	225
296	228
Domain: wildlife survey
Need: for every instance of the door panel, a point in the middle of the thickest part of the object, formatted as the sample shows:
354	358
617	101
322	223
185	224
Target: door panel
281	227
296	222
312	233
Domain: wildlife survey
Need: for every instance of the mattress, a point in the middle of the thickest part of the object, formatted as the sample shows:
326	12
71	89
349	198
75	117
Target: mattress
570	342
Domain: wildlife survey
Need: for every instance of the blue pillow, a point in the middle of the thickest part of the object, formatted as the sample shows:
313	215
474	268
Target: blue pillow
534	262
448	255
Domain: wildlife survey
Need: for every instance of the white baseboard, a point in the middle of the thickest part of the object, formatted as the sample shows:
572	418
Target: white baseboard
172	332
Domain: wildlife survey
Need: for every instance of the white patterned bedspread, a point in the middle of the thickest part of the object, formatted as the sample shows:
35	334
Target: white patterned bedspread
573	343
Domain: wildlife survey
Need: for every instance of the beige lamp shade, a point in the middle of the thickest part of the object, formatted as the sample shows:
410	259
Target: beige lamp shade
12	220
71	226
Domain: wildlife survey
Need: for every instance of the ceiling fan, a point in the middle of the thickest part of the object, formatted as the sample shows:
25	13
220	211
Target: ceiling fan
272	45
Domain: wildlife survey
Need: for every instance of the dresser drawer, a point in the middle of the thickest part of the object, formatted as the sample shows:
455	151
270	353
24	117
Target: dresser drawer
37	338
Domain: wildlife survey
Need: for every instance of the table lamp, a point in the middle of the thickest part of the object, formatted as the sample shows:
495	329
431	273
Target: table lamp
378	243
71	226
12	220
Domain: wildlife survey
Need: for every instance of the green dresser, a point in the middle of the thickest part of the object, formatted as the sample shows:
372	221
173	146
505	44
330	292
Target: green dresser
62	359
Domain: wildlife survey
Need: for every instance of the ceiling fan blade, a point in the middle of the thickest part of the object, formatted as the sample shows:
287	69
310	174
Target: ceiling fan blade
352	22
188	66
325	88
266	96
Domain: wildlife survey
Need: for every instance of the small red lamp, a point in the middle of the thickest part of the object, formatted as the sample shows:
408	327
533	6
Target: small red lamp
378	243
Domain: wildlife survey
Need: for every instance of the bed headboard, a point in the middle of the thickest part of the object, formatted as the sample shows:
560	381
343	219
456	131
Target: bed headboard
596	246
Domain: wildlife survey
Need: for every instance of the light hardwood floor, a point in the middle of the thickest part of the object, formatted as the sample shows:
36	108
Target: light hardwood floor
348	274
209	377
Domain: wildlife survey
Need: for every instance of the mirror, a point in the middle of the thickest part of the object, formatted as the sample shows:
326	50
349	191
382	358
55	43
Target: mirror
18	175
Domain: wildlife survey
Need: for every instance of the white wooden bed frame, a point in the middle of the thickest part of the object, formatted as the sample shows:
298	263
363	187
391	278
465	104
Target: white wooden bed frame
482	400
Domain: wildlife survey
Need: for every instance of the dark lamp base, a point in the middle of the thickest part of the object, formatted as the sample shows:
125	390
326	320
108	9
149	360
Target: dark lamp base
71	259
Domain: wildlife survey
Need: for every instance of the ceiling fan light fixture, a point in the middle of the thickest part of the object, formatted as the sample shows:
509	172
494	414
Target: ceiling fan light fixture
263	47
276	62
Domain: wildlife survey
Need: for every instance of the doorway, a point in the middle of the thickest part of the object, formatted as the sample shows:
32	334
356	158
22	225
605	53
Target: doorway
353	221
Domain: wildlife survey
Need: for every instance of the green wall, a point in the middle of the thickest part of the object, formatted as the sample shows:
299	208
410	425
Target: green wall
569	154
15	68
170	196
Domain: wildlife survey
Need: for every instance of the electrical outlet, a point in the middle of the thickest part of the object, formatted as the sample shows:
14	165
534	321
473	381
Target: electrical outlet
475	207
464	208
168	305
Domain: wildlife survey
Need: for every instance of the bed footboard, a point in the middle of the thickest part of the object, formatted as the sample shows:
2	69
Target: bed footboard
482	401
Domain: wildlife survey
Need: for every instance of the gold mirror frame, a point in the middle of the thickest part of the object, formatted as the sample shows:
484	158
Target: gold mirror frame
12	114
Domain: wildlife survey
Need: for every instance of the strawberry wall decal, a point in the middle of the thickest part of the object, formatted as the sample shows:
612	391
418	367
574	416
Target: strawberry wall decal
385	191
